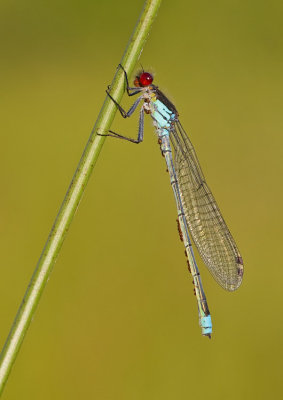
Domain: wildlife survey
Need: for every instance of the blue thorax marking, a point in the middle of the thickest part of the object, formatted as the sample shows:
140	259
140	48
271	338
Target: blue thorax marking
162	115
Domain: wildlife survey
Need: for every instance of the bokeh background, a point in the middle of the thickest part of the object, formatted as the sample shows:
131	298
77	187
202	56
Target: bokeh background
118	318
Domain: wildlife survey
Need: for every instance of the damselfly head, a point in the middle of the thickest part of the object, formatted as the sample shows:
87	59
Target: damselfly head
143	79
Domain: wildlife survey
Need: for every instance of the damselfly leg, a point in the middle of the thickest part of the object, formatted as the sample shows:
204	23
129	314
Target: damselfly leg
127	114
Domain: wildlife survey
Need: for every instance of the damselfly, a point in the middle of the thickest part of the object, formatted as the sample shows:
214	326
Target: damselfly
198	213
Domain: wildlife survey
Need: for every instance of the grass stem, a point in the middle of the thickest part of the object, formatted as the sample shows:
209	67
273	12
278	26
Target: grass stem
74	194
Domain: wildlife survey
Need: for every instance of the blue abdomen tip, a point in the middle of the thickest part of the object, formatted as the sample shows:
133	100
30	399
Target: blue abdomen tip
206	325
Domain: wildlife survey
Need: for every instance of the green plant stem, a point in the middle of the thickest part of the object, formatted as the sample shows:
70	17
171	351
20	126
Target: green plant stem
74	194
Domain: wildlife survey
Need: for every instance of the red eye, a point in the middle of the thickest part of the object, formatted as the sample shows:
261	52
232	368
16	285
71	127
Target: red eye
145	79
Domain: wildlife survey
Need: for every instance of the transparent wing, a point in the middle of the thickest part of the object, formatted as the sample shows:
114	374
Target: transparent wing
206	224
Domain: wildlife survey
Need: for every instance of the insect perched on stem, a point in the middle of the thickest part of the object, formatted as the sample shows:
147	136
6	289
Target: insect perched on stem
198	213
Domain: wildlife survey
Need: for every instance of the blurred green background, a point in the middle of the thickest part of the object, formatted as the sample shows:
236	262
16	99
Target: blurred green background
118	318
